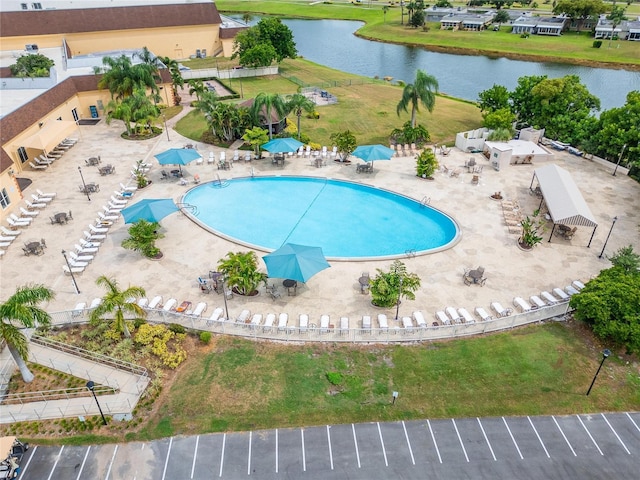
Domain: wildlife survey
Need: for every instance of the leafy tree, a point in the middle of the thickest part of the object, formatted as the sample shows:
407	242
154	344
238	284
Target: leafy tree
176	77
500	135
444	4
500	3
345	142
119	303
273	31
252	45
408	134
423	90
616	16
610	303
151	60
256	136
388	287
626	259
136	108
247	17
265	107
197	88
385	9
426	163
494	98
120	111
298	104
142	238
261	55
417	19
502	16
499	119
580	10
21	310
32	65
241	272
121	77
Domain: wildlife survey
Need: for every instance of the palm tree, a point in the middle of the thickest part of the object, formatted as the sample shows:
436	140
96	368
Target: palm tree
423	90
265	105
197	88
121	77
247	17
176	76
119	302
298	103
385	9
21	309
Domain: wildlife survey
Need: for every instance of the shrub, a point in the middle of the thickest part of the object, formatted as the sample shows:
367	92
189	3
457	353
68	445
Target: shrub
177	328
335	378
426	164
205	337
597	43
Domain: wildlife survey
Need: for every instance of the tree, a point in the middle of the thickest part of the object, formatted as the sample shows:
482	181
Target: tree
197	88
265	107
298	104
247	17
32	65
241	272
502	16
265	42
500	3
136	108
261	55
501	135
256	136
345	142
121	77
408	134
499	119
142	238
423	90
273	31
579	10
387	288
616	16
151	60
426	163
494	98
385	9
119	303
626	259
417	19
176	77
120	111
20	310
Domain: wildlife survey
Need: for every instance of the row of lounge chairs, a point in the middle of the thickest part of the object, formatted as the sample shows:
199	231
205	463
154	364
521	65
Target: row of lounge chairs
404	150
8	235
44	161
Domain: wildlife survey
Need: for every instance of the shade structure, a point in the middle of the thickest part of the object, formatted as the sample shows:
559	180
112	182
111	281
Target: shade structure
50	135
369	153
278	145
151	210
177	156
295	262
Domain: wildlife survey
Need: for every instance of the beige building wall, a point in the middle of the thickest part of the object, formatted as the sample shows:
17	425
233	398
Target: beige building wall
43	41
227	47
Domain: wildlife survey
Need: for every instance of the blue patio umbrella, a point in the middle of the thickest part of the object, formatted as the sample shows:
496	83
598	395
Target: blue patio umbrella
177	156
369	153
295	262
278	145
150	209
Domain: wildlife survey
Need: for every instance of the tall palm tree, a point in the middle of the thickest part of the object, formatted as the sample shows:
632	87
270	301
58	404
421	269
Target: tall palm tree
21	309
119	302
265	106
298	103
423	90
121	77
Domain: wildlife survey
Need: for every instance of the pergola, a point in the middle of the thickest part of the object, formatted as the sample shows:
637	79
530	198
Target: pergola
564	201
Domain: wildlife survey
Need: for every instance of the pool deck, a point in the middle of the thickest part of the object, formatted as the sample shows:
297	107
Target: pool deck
189	251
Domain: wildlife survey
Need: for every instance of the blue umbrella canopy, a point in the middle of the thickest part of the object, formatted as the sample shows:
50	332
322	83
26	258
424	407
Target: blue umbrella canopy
151	210
369	153
177	156
278	145
295	262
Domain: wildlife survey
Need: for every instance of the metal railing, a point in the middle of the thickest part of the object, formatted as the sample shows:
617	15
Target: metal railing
60	394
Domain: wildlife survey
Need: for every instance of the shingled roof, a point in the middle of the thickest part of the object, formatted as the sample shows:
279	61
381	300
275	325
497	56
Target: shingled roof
48	22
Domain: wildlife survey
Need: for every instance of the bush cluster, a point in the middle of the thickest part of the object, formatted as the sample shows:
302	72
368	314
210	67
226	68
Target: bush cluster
164	343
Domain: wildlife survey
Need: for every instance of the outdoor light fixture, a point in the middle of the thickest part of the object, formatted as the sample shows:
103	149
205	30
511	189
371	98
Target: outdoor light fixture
605	354
91	386
224	296
64	254
164	119
84	185
619	159
399	295
608	235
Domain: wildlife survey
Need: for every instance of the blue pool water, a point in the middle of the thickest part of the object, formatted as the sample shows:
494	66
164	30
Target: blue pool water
348	220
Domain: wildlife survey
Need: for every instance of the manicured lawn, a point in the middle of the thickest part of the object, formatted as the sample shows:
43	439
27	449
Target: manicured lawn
366	107
238	384
569	47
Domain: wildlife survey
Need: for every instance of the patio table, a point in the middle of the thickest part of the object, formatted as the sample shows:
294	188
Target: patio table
61	218
289	285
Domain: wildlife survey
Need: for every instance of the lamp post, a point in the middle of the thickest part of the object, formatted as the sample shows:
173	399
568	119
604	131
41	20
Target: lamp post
224	296
399	295
402	12
164	119
605	355
64	254
608	235
84	185
91	386
619	159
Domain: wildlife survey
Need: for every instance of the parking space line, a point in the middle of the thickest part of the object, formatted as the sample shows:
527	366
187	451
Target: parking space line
84	460
539	439
384	452
512	439
406	435
433	437
249	454
464	450
276	450
33	452
166	460
224	441
330	451
55	464
355	442
564	436
304	459
616	434
589	433
634	423
113	457
487	440
136	472
195	455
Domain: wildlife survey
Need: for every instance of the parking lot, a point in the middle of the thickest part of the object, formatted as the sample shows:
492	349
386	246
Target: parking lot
576	446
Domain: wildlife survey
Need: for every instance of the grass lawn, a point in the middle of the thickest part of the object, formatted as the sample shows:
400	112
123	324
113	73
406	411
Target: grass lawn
237	384
366	107
570	47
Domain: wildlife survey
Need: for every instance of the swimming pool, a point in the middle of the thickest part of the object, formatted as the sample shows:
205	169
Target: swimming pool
348	220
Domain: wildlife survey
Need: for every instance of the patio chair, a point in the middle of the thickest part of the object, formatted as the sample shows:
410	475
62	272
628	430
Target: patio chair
10	233
571	290
344	325
522	304
247	157
283	318
244	316
80	258
170	305
558	292
324	323
38	167
17	224
94	237
500	310
303	322
268	322
95	230
536	302
382	322
466	316
156	302
28	213
577	284
273	292
419	318
550	299
69	271
215	316
366	324
453	314
95	302
407	323
164	175
442	318
482	313
32	206
85	250
236	156
201	307
212	158
142	303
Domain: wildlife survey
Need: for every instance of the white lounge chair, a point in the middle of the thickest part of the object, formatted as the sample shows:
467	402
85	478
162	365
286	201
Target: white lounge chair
11	233
212	158
303	322
558	292
142	303
536	302
7	239
78	310
578	285
201	307
453	314
28	213
244	316
442	318
522	304
119	201
268	322
500	310
256	320
93	236
215	316
38	167
95	302
80	258
382	322
41	199
170	305
95	229
68	270
131	188
156	302
550	299
344	325
419	318
283	318
466	316
482	313
366	323
5	244
76	263
87	244
34	205
18	224
45	194
107	218
324	323
407	323
571	290
236	156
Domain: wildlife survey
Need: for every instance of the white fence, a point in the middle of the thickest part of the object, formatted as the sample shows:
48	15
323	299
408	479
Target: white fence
232	73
